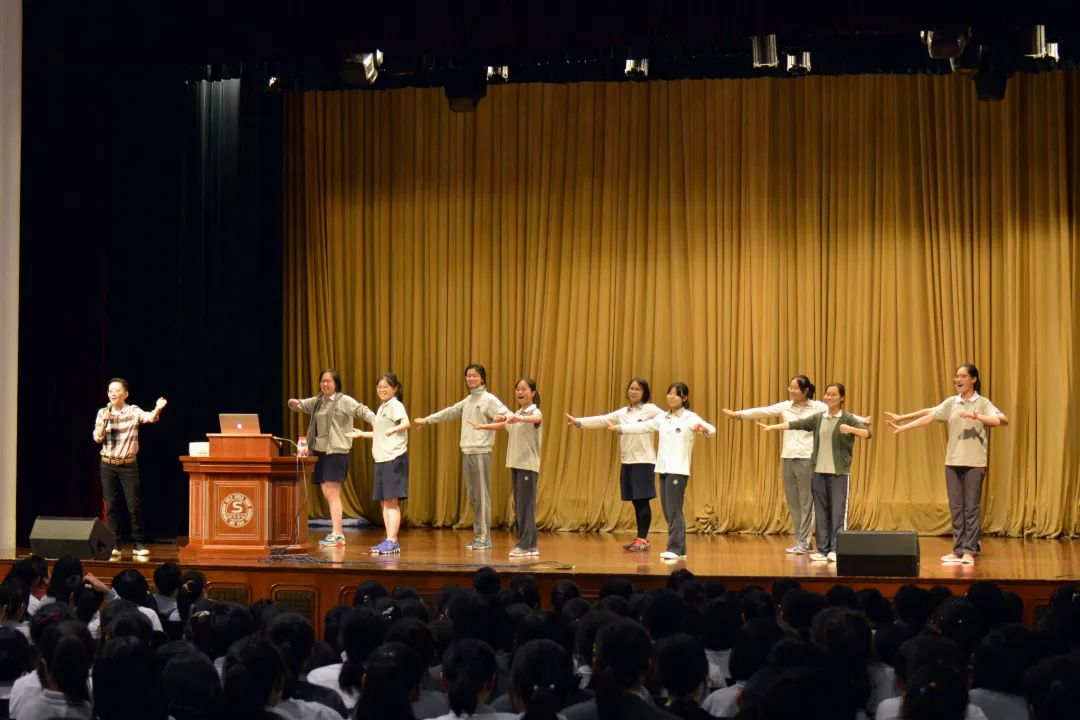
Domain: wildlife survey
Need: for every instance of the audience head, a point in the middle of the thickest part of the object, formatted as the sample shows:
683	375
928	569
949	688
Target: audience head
192	687
562	591
468	674
683	667
126	682
14	654
935	691
391	683
167	578
541	678
252	680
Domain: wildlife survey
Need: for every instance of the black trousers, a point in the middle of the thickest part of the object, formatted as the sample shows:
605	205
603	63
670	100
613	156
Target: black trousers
122	478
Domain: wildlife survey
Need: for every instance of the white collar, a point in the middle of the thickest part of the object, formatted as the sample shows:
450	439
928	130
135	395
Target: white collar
527	410
960	398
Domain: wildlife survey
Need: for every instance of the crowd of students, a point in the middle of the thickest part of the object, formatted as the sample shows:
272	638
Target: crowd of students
70	647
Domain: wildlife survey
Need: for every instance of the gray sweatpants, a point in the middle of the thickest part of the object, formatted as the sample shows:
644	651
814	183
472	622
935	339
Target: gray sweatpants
672	490
524	487
963	485
800	497
477	472
830	509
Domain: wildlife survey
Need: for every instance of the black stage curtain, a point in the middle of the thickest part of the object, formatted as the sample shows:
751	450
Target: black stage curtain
151	249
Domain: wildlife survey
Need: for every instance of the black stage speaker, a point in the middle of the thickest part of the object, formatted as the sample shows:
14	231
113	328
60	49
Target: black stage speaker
85	538
881	554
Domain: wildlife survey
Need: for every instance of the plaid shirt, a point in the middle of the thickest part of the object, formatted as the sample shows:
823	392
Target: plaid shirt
119	435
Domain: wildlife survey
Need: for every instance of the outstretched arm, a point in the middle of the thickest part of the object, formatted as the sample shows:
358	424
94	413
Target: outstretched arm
486	426
920	420
358	433
772	428
895	418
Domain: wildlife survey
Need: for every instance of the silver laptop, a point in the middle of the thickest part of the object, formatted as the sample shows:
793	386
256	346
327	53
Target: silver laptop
239	423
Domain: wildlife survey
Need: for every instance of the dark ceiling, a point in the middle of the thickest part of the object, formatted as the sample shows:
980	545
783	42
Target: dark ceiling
430	42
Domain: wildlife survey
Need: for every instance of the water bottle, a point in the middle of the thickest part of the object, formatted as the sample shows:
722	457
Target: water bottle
301	447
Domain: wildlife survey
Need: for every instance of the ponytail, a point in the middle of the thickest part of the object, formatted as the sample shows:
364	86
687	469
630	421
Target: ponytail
468	665
805	385
67	652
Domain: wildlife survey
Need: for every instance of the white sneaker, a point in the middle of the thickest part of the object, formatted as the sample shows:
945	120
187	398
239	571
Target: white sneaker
831	557
519	552
140	551
116	552
818	557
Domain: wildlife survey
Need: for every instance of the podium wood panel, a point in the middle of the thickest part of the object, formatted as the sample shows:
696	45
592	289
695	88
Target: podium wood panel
245	507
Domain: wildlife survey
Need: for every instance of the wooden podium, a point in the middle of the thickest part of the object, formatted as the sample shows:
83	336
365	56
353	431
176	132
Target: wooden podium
245	499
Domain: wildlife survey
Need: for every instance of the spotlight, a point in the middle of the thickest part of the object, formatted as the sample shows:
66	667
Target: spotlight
637	68
1034	41
945	44
1053	51
763	49
272	82
797	63
361	68
498	74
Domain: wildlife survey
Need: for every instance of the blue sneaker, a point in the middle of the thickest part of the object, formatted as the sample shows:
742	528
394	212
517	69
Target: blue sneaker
391	547
381	547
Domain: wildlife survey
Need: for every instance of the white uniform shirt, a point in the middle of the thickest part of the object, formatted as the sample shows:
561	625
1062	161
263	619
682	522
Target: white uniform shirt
389	415
797	443
676	439
523	449
633	449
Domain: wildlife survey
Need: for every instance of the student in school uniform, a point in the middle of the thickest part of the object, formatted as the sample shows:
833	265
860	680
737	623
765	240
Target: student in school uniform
677	429
834	433
390	451
523	460
476	445
969	417
637	452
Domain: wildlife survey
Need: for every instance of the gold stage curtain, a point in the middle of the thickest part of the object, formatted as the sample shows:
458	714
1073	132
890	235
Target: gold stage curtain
876	230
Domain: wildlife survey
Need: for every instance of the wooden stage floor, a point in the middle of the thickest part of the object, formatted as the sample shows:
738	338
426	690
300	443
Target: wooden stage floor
432	558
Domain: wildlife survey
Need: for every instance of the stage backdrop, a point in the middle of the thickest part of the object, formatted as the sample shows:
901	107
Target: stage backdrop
876	230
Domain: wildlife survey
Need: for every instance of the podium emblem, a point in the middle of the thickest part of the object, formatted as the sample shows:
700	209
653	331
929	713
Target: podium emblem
237	510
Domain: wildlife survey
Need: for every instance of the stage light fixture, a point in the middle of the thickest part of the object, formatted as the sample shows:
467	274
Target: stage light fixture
1053	51
797	62
361	68
637	68
945	44
497	74
1033	41
968	61
763	49
465	89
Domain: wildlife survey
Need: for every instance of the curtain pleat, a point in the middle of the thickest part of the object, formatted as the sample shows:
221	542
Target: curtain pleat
872	230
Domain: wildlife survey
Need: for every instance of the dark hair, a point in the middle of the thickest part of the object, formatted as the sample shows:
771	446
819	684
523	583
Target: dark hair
646	393
67	651
588	626
683	665
416	634
913	604
974	373
877	609
936	692
14	653
30	571
532	386
131	585
840	389
623	652
122	618
479	371
362	630
782	586
468	665
1002	658
842	596
989	602
663	614
720	620
845	638
334	375
799	609
756	603
486	581
192	687
958	619
926	648
120	380
683	391
392	380
391	673
527	589
14	598
215	626
368	593
167	578
126	682
1052	687
753	640
542	676
192	584
294	637
65	567
252	668
45	616
805	385
562	591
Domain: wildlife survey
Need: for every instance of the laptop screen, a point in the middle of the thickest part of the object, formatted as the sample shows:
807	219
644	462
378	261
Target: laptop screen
239	423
